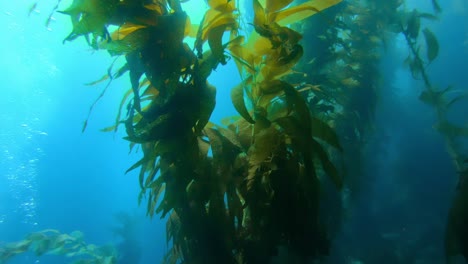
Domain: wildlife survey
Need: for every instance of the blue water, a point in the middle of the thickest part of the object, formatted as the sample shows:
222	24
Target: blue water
54	176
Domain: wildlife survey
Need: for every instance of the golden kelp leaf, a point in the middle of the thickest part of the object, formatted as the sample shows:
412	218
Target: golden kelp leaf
172	226
124	30
90	16
192	30
167	202
327	165
215	37
136	165
214	18
188	28
259	14
266	142
149	183
241	55
350	82
297	103
237	97
323	131
222	5
203	146
158	8
432	44
131	42
276	5
215	142
229	135
278	65
302	11
293	37
90	6
207	105
157	187
271	87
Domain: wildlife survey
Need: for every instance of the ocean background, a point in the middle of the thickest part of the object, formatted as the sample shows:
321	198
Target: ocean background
54	176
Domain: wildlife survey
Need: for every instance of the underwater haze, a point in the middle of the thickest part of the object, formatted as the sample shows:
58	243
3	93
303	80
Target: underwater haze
62	177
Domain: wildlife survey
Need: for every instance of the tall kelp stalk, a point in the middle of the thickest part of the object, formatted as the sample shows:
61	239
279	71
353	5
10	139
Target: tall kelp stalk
344	70
344	66
259	190
456	241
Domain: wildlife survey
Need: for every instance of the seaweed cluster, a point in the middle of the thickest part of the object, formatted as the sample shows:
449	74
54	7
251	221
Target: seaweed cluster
53	242
259	189
456	240
244	190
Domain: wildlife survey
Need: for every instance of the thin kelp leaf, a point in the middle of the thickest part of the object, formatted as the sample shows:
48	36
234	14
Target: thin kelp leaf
219	135
323	131
94	104
118	121
207	106
436	6
222	5
428	16
241	55
125	30
280	64
456	239
276	5
327	165
434	98
172	227
413	25
215	38
149	183
211	20
237	97
90	17
266	143
451	130
103	78
415	66
133	41
109	74
297	13
136	165
215	142
259	14
432	44
456	99
234	204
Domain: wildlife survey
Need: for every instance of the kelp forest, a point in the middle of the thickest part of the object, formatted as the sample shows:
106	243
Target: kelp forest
278	182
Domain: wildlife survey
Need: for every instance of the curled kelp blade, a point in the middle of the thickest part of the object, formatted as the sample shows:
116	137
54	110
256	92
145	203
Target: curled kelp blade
297	13
432	45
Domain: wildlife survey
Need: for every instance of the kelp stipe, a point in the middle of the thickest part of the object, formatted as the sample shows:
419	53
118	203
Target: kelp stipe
456	237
